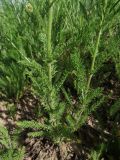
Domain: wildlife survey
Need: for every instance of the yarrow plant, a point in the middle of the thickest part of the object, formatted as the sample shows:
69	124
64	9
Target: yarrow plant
63	117
59	48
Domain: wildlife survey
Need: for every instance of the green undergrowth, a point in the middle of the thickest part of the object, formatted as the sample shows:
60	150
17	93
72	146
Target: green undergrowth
59	49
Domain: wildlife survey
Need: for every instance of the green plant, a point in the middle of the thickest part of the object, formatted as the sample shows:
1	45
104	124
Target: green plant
19	41
114	109
57	42
62	119
42	76
97	154
12	78
9	150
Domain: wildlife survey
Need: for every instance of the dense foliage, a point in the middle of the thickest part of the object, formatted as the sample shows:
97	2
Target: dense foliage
9	150
61	50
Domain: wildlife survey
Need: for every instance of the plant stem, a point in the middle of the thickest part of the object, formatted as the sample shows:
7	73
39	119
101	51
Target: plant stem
49	32
96	47
93	60
92	66
94	56
49	49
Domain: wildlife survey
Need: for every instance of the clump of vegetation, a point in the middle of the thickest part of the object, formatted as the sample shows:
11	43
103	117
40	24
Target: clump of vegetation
59	49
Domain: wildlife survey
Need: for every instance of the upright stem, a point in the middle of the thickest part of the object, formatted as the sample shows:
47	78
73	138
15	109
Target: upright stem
93	60
95	55
49	31
96	47
49	49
